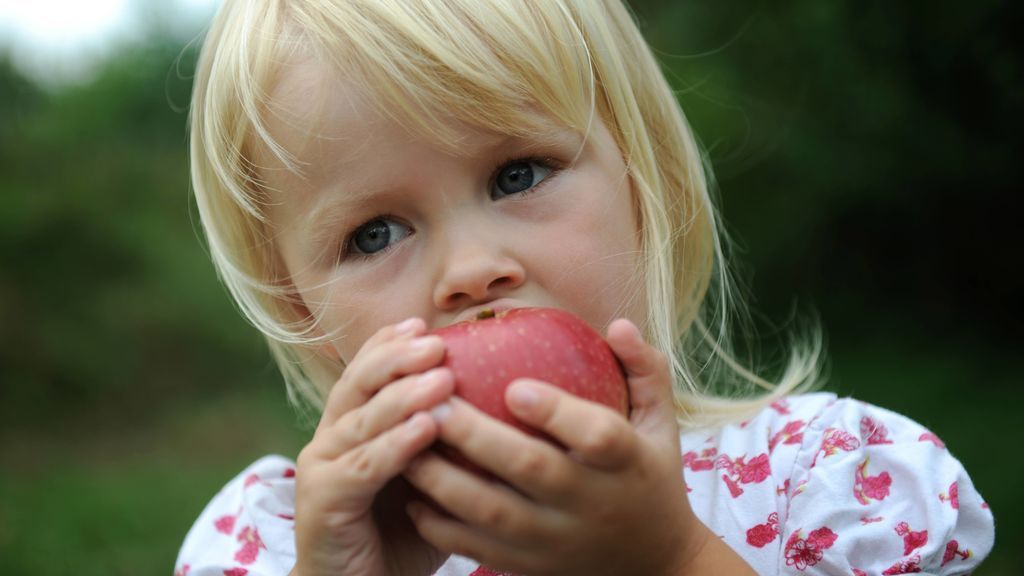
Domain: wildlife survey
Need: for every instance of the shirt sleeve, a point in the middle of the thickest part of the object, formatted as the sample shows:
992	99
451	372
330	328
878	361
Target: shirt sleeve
248	528
873	492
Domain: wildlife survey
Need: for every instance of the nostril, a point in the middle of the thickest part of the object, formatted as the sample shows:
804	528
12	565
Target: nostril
475	276
500	283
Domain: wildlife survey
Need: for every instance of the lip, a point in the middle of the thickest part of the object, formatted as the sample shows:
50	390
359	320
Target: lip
499	305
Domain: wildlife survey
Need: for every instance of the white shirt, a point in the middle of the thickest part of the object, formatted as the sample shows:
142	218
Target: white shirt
811	485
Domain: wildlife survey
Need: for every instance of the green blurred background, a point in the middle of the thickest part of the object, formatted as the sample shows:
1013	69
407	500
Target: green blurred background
867	159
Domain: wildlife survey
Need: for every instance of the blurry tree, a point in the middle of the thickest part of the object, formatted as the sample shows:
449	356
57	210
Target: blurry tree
866	154
883	135
107	300
867	159
119	349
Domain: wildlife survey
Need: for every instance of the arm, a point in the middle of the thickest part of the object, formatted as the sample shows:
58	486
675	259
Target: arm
711	558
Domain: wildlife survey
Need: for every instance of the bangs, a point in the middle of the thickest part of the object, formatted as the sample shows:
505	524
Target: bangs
509	67
491	65
503	66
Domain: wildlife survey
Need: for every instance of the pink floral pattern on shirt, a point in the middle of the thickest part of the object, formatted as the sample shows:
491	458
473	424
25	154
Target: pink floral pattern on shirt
911	565
763	534
912	540
485	571
951	496
953	551
791	433
867	488
698	462
740	471
804	552
799	489
834	442
873	432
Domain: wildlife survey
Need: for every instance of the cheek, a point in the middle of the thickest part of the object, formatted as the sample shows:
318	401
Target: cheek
354	306
611	228
611	284
351	341
356	313
602	257
355	320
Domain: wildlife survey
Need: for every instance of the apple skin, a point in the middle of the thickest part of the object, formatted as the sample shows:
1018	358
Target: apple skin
487	354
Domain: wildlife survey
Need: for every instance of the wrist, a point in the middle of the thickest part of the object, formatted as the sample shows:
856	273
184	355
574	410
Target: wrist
706	554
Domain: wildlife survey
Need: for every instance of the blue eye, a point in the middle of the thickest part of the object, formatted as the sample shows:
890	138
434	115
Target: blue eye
518	176
375	236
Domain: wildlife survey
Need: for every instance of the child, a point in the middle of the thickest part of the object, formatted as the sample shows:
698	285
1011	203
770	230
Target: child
368	170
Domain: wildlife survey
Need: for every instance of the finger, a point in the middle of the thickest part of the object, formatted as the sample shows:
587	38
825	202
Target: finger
596	434
648	377
362	472
534	466
378	365
393	404
453	537
484	504
406	329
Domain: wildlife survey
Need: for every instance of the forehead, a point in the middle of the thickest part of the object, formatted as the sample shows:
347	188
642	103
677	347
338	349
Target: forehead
313	104
318	125
309	106
323	127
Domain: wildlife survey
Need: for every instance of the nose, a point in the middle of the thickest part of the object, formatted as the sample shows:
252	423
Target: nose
474	271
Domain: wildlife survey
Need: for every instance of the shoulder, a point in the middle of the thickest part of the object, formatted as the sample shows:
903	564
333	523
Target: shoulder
818	480
249	524
772	438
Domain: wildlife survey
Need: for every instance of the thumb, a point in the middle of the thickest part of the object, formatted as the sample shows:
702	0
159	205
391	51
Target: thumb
649	380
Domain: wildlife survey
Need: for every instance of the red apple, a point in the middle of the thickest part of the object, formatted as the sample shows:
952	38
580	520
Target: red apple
485	355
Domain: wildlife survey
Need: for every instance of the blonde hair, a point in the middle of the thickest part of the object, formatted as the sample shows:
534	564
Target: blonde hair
488	65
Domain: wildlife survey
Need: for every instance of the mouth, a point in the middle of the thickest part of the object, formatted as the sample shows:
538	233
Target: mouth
488	309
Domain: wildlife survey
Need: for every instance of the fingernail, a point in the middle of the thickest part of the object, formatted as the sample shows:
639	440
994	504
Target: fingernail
428	378
634	329
524	395
421	344
441	412
406	326
414	425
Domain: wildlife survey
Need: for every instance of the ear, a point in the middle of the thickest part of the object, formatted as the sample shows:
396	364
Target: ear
300	312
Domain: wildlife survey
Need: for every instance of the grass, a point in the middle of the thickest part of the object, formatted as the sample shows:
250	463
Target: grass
94	497
113	502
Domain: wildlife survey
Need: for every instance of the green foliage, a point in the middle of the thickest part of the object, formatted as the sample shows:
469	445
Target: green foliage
106	290
865	154
117	337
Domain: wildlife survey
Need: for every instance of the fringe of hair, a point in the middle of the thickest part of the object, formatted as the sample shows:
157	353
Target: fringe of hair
487	65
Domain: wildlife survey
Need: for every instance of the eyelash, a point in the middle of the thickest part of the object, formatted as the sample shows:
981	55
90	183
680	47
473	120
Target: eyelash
348	253
553	167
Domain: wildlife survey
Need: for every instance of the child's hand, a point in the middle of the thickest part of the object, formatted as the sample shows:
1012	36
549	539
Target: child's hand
613	503
372	426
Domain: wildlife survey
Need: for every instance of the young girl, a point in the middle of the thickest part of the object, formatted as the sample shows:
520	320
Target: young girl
369	170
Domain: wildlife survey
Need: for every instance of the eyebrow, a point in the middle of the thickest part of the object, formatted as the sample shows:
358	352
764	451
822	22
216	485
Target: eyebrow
333	205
